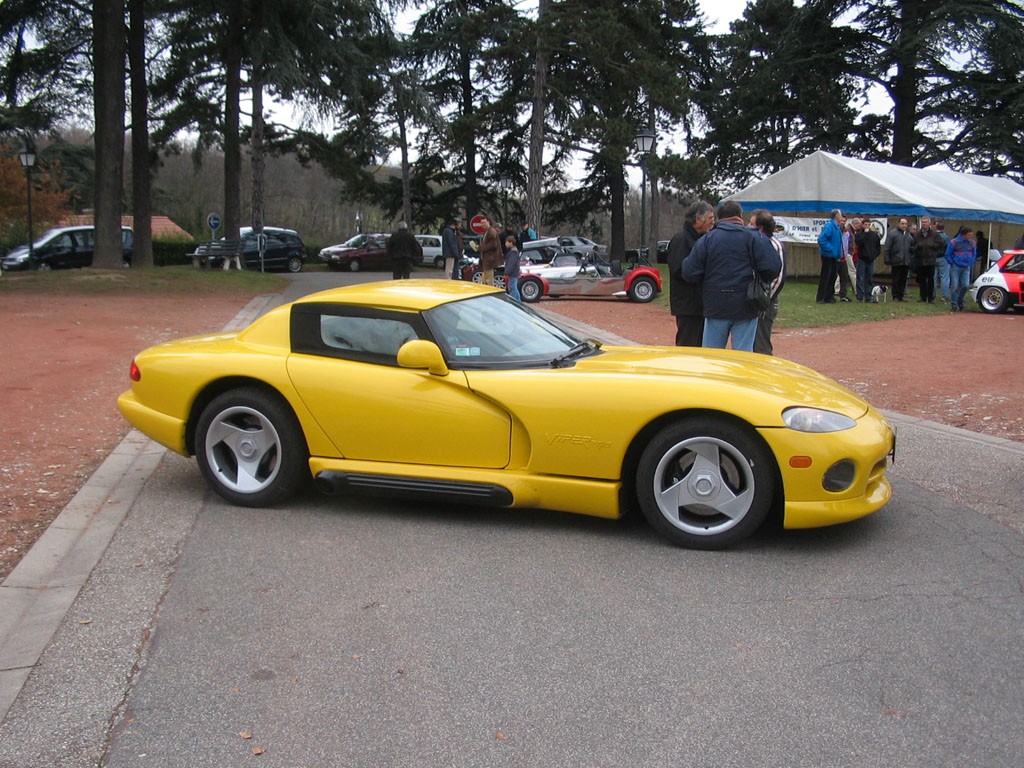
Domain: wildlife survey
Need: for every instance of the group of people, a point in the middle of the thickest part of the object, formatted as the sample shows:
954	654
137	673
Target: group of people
712	261
496	249
942	264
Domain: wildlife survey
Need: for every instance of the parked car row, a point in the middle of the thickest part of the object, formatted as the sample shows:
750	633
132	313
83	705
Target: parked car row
63	248
283	249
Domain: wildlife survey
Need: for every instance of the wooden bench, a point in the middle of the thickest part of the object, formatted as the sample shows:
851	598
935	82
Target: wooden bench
215	250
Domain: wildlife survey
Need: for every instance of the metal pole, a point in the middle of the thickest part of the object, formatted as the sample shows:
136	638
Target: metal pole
28	186
643	210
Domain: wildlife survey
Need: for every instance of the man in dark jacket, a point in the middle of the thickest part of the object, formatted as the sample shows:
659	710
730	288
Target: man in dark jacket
685	298
451	248
869	245
403	249
899	254
724	261
928	244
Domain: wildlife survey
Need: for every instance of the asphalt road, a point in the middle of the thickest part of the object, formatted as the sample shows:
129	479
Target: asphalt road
350	632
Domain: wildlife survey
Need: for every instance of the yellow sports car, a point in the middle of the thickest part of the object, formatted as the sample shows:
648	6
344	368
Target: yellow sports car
450	391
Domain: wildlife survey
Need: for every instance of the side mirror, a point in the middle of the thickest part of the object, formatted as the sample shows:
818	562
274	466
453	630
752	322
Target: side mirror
422	355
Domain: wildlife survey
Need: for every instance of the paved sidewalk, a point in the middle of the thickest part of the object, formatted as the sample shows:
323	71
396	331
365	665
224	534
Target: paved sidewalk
974	470
37	594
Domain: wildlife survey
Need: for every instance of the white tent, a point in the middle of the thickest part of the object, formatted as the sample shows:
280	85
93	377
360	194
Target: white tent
823	181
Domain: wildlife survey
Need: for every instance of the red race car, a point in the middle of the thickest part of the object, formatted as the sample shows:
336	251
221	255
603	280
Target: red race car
1002	287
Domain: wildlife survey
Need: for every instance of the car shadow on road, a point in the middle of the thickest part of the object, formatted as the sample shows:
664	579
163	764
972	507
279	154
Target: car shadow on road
632	528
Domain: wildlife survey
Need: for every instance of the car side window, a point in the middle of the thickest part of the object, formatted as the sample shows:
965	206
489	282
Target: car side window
1015	264
374	336
364	335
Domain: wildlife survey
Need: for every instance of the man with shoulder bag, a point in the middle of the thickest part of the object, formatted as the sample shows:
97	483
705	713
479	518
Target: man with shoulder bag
725	261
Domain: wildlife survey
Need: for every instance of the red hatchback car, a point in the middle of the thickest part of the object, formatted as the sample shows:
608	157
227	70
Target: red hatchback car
367	251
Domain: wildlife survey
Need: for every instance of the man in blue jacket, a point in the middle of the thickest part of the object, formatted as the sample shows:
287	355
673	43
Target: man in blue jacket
830	248
723	262
960	253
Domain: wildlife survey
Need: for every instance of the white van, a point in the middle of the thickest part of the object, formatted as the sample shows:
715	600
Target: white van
431	245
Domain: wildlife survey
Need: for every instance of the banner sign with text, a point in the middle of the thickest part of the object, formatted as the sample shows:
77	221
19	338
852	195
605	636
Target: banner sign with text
790	229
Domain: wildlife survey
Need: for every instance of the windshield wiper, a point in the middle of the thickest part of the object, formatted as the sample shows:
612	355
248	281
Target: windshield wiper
583	348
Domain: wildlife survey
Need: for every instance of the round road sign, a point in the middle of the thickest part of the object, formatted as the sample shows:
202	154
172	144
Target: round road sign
476	224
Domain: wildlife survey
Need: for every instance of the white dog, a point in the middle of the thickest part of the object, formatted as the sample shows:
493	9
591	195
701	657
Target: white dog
880	293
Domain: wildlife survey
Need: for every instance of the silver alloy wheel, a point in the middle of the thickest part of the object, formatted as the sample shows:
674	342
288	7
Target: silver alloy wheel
642	290
354	265
294	263
993	299
703	486
243	449
530	290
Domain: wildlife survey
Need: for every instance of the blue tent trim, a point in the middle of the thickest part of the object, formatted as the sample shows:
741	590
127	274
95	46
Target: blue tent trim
860	207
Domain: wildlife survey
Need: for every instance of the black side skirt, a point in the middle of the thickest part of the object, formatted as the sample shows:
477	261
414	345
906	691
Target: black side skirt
395	486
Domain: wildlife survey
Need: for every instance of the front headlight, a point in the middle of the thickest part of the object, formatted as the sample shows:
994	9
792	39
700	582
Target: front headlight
803	419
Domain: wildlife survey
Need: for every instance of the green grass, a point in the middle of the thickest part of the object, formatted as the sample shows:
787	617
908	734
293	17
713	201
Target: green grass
797	307
164	280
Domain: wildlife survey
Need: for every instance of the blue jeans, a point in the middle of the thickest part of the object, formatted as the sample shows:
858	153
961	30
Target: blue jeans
942	276
512	286
959	282
865	279
717	332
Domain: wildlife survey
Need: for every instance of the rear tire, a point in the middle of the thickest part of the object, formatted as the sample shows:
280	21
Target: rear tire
250	448
294	264
993	300
706	482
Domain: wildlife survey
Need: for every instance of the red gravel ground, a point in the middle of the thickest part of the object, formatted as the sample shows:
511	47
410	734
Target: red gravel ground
66	358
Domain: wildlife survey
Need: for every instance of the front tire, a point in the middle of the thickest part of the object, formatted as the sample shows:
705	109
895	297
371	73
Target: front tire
354	265
250	448
993	300
706	482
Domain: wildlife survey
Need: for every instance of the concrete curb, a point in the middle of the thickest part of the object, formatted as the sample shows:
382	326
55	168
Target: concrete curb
37	594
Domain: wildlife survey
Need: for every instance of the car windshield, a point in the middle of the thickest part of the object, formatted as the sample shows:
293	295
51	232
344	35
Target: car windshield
355	242
45	238
494	331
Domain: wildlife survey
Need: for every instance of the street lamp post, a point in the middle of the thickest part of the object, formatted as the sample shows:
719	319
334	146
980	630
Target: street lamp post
27	156
644	144
504	184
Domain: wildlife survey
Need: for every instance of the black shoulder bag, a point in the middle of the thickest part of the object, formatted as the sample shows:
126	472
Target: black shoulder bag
759	292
